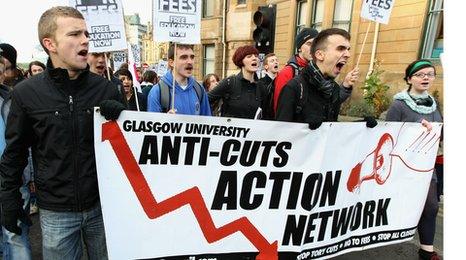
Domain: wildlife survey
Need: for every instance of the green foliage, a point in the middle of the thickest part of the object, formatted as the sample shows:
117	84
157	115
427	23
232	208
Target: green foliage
375	92
436	96
359	109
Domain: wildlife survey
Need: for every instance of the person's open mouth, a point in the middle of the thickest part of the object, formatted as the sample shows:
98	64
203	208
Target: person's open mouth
83	53
339	66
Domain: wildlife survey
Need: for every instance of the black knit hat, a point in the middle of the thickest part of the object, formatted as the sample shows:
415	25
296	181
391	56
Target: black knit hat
304	35
9	53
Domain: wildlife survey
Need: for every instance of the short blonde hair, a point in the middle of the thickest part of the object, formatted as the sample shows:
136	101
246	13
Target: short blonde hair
270	55
48	21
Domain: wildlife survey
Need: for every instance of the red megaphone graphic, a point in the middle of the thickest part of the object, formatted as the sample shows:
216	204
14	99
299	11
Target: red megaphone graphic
381	164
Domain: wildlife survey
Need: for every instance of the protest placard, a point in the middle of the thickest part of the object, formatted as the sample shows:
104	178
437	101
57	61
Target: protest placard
119	57
136	49
162	68
184	187
177	21
377	10
105	24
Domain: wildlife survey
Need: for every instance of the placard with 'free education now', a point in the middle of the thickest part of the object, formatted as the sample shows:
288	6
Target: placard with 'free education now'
177	21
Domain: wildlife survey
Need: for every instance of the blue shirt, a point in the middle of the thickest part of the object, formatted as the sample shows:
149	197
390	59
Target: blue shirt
186	100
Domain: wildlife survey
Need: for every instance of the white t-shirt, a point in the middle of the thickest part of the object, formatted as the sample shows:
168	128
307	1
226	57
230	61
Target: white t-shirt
184	87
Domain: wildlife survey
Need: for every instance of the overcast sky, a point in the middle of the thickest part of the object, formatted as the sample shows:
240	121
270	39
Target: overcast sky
19	19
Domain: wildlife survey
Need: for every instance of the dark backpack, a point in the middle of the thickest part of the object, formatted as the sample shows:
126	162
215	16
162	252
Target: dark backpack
268	111
165	94
232	83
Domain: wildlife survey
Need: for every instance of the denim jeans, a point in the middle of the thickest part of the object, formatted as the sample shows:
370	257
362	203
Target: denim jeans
64	232
18	246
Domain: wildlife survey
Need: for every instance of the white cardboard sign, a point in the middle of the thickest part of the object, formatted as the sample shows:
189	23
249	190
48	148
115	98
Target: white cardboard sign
377	10
177	21
105	24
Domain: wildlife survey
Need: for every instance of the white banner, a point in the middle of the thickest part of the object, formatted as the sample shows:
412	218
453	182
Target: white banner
105	24
377	11
187	187
177	21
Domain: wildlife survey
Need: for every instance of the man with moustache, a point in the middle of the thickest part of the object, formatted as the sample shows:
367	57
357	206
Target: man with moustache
52	113
190	96
313	96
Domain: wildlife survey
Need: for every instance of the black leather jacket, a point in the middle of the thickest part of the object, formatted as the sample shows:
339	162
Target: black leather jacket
54	115
303	99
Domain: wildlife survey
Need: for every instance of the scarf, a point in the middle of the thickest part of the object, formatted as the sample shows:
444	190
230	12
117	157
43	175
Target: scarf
411	102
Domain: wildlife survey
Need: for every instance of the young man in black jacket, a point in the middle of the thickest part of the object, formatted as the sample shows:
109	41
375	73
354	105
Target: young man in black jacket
313	96
53	113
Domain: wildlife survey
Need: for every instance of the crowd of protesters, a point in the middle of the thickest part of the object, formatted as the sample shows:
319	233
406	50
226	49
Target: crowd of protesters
42	106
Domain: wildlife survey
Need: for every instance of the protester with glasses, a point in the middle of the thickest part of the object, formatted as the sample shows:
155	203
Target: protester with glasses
416	105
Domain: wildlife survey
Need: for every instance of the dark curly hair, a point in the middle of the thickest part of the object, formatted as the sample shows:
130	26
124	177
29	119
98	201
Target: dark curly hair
124	72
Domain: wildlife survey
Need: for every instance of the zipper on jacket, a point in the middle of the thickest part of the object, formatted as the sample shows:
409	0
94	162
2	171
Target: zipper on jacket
71	104
75	153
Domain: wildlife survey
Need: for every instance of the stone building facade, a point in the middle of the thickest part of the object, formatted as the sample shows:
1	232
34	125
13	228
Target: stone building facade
415	31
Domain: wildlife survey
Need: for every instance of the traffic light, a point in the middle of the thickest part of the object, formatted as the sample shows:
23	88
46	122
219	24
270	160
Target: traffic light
264	34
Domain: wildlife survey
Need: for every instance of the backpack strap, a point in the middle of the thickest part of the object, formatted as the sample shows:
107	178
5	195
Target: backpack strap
164	95
300	103
199	91
296	68
231	82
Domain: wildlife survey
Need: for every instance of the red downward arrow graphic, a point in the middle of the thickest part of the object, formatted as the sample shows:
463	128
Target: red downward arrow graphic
153	209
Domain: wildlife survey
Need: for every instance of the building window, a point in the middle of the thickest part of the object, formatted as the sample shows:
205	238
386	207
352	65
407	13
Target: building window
207	8
317	15
433	36
342	14
301	16
241	2
209	59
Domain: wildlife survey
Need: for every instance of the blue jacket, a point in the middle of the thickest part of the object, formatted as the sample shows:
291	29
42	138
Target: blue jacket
5	102
186	100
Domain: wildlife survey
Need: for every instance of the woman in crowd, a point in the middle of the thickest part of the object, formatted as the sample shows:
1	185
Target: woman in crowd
416	105
35	67
130	91
240	93
210	81
149	79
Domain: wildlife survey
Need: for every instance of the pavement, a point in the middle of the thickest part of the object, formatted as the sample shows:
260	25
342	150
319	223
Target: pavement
402	251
